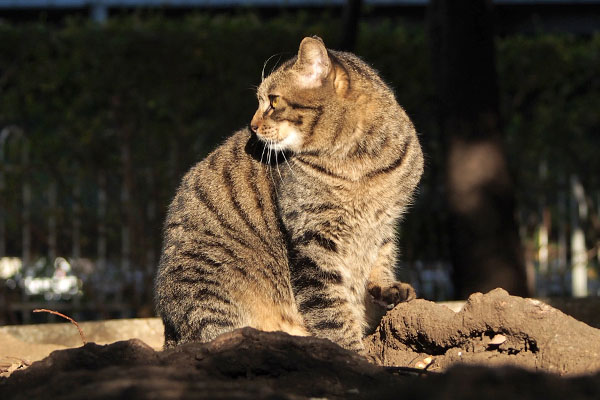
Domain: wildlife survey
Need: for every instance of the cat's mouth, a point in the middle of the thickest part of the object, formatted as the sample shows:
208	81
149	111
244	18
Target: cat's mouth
288	138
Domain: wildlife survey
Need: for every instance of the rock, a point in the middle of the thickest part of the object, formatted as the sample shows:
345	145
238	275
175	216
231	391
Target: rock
536	336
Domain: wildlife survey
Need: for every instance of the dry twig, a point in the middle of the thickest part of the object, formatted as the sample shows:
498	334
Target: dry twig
23	361
65	317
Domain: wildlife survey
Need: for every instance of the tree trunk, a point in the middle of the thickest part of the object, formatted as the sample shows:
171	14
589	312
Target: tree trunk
485	245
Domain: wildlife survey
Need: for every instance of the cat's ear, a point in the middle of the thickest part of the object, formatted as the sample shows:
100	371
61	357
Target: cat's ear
313	64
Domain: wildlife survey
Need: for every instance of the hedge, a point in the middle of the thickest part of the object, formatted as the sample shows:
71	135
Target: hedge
169	90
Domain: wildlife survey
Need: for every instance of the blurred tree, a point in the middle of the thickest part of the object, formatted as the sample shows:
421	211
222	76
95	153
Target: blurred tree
350	17
485	246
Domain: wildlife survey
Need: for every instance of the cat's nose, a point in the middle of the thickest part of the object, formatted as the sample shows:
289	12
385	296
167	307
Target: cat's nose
255	123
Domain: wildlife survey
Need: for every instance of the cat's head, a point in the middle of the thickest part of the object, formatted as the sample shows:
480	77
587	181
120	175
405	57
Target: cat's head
301	100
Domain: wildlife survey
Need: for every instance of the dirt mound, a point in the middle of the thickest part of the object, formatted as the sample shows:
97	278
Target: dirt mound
492	329
250	364
243	364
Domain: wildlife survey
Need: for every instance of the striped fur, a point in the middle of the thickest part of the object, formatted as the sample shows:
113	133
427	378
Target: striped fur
290	225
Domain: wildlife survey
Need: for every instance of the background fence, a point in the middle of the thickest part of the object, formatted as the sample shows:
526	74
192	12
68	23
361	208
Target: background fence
98	124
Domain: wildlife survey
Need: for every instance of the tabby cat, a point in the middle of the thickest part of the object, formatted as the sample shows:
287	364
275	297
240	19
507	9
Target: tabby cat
290	225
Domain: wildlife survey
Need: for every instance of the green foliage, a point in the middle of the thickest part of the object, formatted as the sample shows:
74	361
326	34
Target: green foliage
170	90
550	96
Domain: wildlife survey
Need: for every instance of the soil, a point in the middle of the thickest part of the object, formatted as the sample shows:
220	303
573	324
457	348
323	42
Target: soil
498	346
492	329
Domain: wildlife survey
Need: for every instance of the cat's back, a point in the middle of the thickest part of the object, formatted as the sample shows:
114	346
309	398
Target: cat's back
228	196
224	260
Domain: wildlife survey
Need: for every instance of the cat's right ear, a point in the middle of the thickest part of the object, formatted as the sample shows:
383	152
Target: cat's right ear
313	64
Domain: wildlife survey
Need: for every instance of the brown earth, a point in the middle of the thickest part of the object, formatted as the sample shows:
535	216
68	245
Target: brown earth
492	329
20	345
529	349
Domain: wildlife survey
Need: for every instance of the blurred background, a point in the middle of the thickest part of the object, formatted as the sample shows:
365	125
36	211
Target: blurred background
105	104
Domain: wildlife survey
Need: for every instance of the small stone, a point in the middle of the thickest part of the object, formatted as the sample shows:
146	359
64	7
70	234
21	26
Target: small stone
497	340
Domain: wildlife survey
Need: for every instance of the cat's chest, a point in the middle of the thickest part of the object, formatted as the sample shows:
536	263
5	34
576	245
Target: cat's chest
356	218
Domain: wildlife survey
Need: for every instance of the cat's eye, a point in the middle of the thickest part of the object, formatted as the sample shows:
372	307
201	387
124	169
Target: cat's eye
274	100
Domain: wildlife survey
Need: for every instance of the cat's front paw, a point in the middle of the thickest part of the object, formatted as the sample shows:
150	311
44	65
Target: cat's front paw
397	292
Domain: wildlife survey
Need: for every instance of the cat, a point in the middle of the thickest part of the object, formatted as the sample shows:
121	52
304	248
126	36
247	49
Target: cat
290	224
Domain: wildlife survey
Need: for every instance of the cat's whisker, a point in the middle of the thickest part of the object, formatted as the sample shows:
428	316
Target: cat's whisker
277	166
263	152
288	164
270	143
276	63
269	155
265	65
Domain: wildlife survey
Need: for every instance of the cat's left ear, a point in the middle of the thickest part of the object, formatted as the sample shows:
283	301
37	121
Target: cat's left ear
313	64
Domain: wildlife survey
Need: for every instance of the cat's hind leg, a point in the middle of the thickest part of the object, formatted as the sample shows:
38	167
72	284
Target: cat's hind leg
267	315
